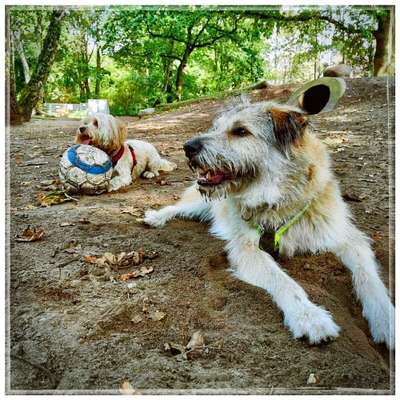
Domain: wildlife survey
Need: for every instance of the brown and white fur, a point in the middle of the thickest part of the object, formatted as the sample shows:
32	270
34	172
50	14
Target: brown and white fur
261	164
108	134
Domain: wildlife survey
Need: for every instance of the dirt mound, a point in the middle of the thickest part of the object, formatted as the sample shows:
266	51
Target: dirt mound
76	326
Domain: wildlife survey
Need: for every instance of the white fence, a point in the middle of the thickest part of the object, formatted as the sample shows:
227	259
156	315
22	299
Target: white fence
81	110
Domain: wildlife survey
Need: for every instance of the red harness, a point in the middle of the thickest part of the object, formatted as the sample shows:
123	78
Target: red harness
116	157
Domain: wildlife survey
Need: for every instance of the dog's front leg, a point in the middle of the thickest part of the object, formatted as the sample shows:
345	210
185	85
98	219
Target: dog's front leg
254	266
357	255
119	181
191	205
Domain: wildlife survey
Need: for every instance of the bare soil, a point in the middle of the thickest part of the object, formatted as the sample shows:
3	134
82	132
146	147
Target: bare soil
73	327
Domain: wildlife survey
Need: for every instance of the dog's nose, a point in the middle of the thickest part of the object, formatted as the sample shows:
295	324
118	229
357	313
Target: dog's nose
192	147
82	129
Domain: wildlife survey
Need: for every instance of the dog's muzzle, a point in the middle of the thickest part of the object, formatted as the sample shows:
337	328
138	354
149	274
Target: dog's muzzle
192	147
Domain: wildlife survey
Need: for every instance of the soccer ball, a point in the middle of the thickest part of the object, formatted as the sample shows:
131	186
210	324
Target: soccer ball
85	169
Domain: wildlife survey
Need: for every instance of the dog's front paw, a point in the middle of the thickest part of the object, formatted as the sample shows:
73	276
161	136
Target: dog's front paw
149	174
382	323
313	322
112	187
154	218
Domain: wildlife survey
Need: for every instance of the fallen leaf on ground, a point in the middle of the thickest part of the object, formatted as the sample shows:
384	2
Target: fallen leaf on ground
134	274
136	319
350	196
174	348
30	235
136	212
29	207
196	341
91	259
48	182
312	379
120	260
127	388
157	315
52	198
66	224
151	255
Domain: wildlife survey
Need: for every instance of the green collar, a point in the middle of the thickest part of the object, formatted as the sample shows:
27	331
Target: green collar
283	229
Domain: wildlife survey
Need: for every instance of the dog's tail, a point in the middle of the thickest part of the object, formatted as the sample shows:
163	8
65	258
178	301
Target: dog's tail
166	165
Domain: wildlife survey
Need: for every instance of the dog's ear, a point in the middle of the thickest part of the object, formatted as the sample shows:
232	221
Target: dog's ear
317	96
121	131
288	127
95	122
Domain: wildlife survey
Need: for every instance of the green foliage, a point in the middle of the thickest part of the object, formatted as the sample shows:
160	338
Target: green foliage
138	57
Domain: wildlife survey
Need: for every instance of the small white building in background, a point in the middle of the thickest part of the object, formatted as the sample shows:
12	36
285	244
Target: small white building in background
80	110
97	105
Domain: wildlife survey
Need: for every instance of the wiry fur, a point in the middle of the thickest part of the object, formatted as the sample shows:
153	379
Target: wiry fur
271	180
108	134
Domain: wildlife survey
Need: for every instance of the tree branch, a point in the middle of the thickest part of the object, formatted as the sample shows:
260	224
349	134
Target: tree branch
159	35
302	18
215	39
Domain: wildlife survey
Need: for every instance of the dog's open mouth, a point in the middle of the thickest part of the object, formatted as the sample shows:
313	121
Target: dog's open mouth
84	139
212	178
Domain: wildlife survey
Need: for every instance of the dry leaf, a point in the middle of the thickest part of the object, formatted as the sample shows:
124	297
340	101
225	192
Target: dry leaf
90	259
121	260
151	255
29	207
52	198
127	388
136	319
312	379
48	182
129	275
30	235
174	348
146	270
66	224
136	212
134	274
196	341
157	315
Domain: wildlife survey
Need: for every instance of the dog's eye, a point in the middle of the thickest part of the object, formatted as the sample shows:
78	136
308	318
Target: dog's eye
240	131
95	123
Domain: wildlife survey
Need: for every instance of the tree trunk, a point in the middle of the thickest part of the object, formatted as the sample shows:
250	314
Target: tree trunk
20	50
180	75
384	37
98	77
31	93
12	114
167	85
87	88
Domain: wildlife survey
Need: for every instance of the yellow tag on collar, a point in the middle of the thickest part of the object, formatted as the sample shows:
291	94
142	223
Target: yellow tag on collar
283	229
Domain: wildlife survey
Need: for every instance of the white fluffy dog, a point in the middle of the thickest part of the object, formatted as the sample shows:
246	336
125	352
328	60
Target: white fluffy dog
265	184
131	158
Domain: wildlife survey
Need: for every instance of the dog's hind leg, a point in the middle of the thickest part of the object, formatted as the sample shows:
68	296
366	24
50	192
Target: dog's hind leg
254	266
357	255
191	205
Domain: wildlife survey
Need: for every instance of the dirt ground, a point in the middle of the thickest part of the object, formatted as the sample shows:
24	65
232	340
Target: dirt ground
75	327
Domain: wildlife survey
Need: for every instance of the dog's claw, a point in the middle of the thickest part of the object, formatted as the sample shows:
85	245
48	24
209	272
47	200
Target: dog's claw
315	323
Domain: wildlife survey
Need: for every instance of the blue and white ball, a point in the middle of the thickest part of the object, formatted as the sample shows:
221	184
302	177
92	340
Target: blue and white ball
85	169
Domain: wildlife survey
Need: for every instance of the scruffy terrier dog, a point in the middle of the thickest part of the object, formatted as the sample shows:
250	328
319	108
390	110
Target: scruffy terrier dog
265	183
131	158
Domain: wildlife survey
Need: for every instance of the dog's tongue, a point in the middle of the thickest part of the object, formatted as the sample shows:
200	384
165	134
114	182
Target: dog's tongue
87	141
212	179
216	179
